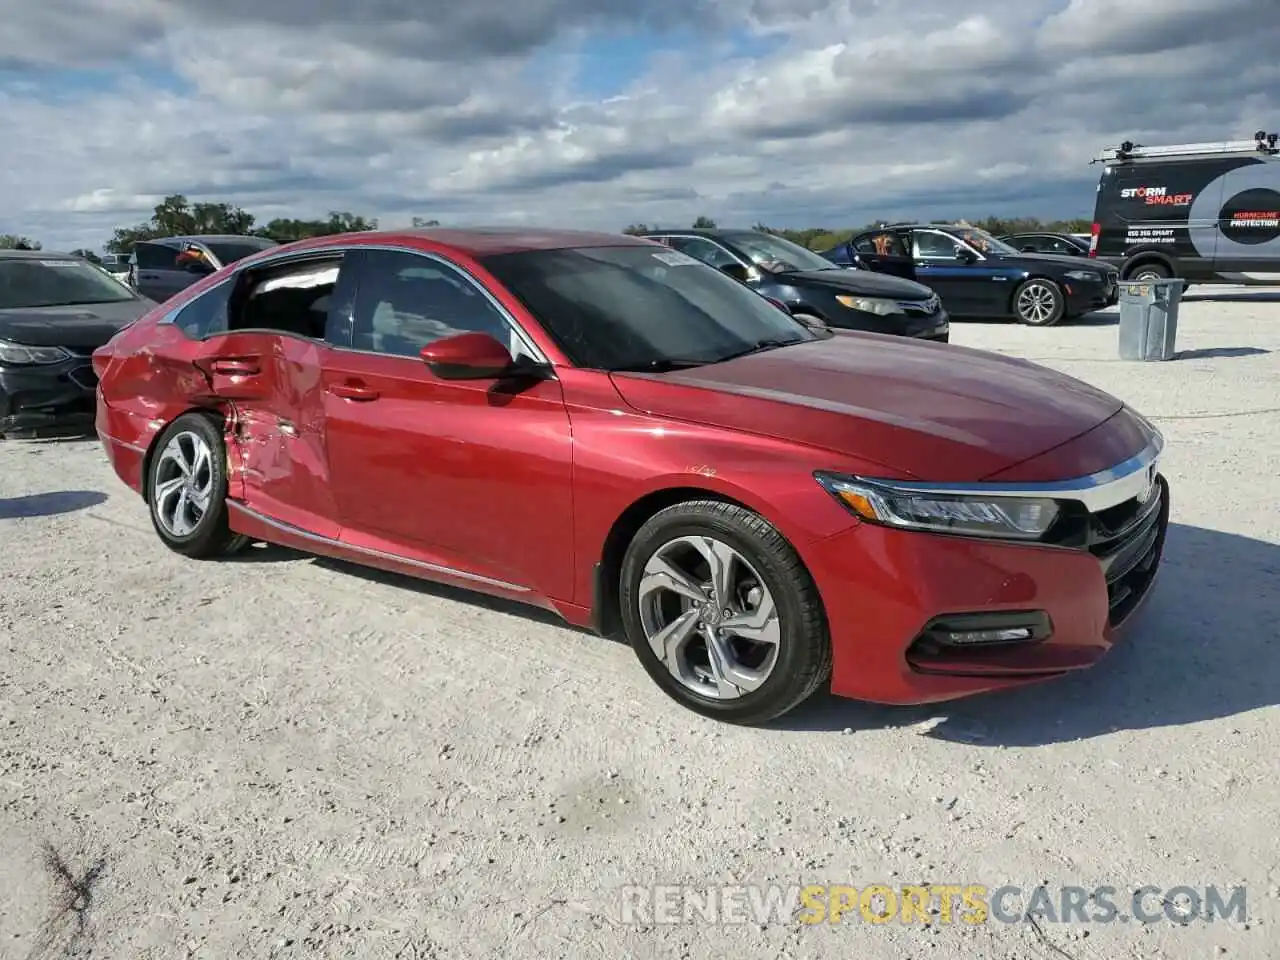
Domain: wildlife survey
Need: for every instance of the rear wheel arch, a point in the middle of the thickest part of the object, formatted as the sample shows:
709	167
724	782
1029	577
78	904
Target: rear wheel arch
215	416
1149	259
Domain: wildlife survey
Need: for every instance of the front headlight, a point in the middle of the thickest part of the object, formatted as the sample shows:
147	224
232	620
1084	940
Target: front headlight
997	517
1085	276
19	354
878	305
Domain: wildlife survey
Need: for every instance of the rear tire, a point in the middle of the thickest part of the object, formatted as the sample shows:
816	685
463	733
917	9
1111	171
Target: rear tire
1148	272
744	647
1039	302
187	489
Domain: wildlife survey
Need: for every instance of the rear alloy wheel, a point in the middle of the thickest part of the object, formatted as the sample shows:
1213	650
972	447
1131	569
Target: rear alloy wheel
722	613
187	489
1039	303
1148	272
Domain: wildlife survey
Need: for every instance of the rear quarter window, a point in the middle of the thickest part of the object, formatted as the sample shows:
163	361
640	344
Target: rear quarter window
206	315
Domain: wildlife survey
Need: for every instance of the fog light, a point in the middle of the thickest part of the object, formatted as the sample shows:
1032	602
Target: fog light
991	636
978	629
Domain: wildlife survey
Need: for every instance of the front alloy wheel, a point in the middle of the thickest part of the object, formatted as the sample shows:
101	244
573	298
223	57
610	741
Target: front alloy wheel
709	618
722	613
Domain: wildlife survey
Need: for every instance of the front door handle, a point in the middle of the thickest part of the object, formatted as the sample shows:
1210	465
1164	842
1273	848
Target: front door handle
239	367
352	391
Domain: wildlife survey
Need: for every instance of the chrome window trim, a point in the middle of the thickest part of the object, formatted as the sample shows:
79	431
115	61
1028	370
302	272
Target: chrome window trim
1097	491
340	250
956	241
715	243
521	334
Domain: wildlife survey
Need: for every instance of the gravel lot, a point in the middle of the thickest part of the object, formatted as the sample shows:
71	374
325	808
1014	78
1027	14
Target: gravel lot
283	756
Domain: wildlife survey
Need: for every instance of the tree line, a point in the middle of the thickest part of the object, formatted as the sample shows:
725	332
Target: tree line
178	216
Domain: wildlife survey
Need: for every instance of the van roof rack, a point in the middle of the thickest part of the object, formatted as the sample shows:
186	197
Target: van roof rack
1262	142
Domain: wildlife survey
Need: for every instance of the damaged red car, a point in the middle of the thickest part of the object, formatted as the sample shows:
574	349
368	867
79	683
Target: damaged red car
617	432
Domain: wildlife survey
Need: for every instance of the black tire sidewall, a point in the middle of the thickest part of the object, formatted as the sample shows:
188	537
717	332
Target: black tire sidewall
788	682
1157	273
1061	298
211	533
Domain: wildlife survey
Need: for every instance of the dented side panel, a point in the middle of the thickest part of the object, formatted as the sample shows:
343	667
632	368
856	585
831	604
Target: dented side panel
270	385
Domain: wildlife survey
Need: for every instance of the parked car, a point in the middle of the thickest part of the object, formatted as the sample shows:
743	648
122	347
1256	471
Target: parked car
1064	244
977	275
813	289
1204	212
55	310
163	267
617	432
116	264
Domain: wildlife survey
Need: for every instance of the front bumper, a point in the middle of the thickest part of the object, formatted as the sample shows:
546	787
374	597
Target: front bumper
883	588
1084	297
55	398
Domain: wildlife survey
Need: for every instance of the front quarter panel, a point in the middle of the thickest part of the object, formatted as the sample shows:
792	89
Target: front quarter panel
622	456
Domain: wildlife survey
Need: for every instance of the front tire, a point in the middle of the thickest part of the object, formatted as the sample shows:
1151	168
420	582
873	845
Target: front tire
187	489
723	614
1039	303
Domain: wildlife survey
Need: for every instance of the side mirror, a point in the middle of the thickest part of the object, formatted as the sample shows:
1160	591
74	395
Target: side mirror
964	254
467	356
737	271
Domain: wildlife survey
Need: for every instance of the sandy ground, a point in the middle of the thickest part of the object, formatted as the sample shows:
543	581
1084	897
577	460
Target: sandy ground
281	756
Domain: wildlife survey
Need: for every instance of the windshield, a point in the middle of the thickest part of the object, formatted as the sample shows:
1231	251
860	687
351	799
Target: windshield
984	242
642	307
56	283
777	255
229	251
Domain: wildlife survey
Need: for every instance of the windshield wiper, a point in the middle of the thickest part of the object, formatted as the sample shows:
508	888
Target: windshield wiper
663	365
760	346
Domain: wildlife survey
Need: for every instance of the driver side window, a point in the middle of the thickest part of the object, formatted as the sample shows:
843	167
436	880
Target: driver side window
704	250
405	301
929	245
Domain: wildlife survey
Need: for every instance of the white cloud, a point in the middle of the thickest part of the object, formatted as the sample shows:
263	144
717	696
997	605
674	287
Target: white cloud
847	109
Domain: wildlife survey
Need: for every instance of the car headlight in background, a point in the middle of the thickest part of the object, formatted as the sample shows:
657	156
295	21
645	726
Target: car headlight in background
1086	276
19	354
997	517
880	306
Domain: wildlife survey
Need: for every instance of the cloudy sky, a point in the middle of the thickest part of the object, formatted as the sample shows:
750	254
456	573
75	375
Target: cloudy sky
599	113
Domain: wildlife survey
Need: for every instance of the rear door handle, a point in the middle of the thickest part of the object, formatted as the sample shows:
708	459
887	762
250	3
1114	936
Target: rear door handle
351	391
242	367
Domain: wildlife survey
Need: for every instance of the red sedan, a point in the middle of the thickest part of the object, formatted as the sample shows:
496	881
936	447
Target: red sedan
609	429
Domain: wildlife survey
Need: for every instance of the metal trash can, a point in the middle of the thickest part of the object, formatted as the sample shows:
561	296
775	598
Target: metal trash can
1149	318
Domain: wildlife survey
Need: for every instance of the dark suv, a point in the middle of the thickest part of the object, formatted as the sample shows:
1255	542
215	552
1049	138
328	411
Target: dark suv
165	266
1203	212
979	276
815	291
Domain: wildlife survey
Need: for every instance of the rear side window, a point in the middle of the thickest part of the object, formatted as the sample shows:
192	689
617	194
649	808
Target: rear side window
155	256
881	245
290	298
206	314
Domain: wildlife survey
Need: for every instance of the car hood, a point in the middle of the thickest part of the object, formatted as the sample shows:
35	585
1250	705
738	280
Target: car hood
861	282
930	411
86	326
1032	260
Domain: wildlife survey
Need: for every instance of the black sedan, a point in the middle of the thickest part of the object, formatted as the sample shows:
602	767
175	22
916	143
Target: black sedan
816	291
55	310
979	276
1063	244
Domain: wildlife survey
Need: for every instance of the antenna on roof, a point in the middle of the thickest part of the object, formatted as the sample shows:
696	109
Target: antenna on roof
1262	142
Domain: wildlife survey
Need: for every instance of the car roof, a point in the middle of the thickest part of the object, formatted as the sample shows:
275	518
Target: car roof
723	233
35	255
477	241
206	238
